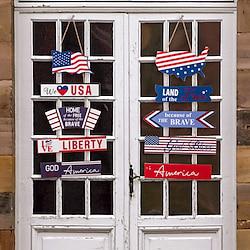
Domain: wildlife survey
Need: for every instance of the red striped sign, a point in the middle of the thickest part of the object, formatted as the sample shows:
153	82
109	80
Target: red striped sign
179	145
178	171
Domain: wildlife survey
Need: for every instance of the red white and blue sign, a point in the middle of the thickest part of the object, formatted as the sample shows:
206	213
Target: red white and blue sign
73	63
178	119
73	118
183	94
181	63
178	171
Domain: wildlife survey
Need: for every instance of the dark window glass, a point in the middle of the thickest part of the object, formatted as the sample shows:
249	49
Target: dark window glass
103	73
72	78
149	77
44	37
42	74
148	158
104	125
180	197
208	197
146	129
73	197
179	41
70	41
151	38
151	198
44	197
212	77
174	81
76	131
41	125
209	35
101	39
101	197
213	119
185	159
106	158
38	158
77	156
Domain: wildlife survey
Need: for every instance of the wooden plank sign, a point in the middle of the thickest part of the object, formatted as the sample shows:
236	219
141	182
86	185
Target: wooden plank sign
183	93
178	119
73	118
179	145
58	169
178	171
66	145
70	90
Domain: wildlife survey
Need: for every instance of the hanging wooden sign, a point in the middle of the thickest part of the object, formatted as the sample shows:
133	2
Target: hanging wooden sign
73	118
178	119
67	145
181	63
179	145
178	171
58	169
183	94
70	90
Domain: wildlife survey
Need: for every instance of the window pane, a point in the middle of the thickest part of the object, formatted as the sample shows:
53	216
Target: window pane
214	119
212	77
44	37
70	41
42	74
72	78
104	125
101	39
180	197
151	38
77	156
180	107
151	198
44	197
146	129
147	158
149	77
103	73
41	125
106	158
208	197
179	41
185	159
101	197
209	35
73	197
38	158
174	81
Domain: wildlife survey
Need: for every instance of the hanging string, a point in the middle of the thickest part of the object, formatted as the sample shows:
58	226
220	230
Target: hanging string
185	30
78	37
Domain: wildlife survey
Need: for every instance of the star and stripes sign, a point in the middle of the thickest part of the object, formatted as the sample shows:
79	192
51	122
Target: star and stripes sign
73	63
181	63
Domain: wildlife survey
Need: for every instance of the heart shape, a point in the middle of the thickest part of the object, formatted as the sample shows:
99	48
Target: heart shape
62	89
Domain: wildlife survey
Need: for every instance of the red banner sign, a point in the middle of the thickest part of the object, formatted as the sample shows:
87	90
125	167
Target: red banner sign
178	171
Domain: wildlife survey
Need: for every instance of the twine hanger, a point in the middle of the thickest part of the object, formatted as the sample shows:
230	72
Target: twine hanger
185	30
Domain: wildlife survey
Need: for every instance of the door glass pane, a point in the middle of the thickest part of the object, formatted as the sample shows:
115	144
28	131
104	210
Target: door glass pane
101	39
106	158
174	81
101	197
103	74
185	159
151	198
149	77
70	41
44	38
72	78
151	38
67	157
73	197
44	197
209	35
180	198
208	197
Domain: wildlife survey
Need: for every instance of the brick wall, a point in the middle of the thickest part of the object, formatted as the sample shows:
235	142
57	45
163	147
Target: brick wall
6	127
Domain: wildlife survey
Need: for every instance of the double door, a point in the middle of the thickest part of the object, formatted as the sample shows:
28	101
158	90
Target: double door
111	210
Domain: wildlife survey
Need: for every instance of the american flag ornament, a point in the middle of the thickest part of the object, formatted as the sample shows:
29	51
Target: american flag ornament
181	63
73	63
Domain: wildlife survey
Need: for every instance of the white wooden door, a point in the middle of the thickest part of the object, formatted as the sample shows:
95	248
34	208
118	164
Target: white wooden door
171	214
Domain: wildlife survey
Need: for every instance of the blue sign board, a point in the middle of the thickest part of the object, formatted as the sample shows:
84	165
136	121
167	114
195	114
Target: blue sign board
183	94
178	119
51	169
